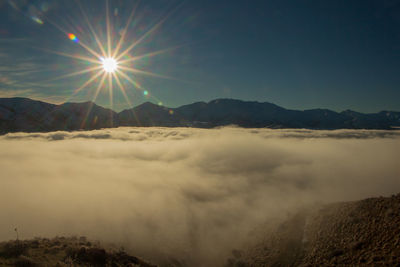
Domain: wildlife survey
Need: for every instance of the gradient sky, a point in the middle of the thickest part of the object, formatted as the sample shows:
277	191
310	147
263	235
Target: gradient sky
299	54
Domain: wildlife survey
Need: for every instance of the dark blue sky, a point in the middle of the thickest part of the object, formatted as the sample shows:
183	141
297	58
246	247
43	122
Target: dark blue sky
299	54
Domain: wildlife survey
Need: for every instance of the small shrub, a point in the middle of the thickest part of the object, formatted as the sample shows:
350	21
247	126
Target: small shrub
24	261
13	249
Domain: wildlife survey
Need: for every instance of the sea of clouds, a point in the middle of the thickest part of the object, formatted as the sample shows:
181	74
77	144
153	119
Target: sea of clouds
191	195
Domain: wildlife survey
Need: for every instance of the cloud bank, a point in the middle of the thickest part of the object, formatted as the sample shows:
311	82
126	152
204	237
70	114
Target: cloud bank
183	194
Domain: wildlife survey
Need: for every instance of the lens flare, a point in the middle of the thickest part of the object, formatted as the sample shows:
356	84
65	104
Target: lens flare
37	20
72	37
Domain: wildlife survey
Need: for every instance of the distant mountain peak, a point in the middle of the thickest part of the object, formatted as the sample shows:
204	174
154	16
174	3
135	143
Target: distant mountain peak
78	103
148	104
24	114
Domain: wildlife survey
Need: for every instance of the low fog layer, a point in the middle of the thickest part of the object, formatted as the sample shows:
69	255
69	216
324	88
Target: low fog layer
188	194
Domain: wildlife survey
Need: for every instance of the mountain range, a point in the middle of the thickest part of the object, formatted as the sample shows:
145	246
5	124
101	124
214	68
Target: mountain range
27	115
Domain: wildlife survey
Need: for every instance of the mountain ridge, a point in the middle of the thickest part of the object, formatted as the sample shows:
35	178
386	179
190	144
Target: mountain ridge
24	114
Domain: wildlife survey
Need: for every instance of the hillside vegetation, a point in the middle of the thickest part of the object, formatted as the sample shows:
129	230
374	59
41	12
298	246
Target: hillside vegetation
61	251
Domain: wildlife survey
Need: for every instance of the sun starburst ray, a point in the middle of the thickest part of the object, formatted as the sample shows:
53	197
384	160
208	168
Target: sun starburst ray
144	36
108	22
83	58
121	40
96	93
151	54
110	92
77	73
101	84
122	88
110	89
135	84
87	82
97	55
92	29
147	73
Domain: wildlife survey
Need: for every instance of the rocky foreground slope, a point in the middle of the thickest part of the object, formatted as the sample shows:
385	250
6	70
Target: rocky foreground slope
360	233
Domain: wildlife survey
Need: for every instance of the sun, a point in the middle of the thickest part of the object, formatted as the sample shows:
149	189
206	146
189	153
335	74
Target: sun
110	61
110	64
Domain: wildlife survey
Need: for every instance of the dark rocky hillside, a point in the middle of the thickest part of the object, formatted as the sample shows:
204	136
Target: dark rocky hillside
360	233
